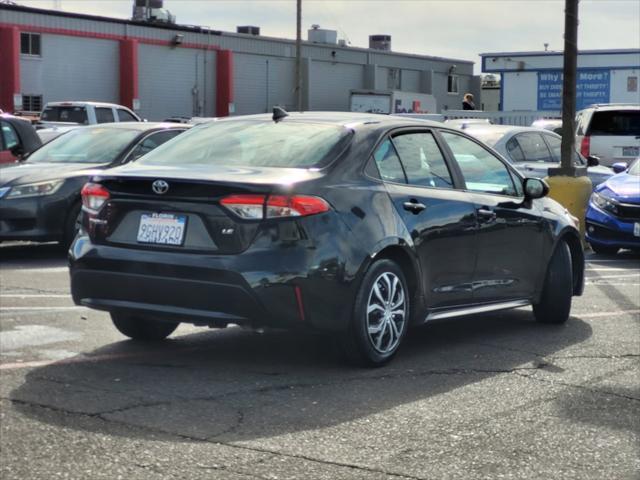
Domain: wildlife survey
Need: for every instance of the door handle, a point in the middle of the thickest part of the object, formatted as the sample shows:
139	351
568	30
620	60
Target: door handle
486	214
414	207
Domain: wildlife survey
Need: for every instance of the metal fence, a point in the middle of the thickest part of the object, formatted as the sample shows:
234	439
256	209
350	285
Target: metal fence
519	118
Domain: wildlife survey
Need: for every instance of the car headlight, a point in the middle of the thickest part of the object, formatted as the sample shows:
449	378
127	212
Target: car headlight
604	202
34	189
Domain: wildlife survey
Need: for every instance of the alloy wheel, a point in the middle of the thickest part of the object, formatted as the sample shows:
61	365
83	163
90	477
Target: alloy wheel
386	312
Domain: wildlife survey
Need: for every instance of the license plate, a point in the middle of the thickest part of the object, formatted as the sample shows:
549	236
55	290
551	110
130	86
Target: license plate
630	151
636	229
162	228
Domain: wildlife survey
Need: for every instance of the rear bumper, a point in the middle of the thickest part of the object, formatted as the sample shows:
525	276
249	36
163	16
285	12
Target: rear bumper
607	230
276	288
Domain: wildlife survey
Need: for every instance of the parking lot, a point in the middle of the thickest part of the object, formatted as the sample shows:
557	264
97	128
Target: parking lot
493	396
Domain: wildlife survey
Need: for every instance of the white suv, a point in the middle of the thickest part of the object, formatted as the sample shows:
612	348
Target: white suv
610	132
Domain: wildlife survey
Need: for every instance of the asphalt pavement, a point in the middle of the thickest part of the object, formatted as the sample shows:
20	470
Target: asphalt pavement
490	396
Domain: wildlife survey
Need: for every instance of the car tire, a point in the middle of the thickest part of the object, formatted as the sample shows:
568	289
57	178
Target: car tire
380	316
72	224
555	302
604	249
143	329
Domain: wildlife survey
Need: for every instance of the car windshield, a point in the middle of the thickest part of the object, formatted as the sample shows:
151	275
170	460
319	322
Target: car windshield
85	145
635	168
253	143
65	114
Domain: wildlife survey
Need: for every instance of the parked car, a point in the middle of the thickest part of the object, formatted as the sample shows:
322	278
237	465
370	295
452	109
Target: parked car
611	132
40	197
17	138
533	150
84	113
464	123
354	224
613	216
553	124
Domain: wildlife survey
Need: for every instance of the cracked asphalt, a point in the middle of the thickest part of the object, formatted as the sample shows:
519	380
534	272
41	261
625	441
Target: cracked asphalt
491	396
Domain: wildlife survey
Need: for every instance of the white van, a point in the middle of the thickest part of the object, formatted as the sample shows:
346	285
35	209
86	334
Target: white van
610	132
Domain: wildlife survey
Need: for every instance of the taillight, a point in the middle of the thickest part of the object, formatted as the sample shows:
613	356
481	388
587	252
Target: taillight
275	206
585	146
94	197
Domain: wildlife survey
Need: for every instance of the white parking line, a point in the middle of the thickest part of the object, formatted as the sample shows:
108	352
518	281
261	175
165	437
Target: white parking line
34	295
36	309
605	314
616	269
614	284
35	270
603	277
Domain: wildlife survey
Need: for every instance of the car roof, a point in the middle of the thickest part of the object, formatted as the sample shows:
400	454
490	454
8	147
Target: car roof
141	126
82	104
503	129
344	119
613	106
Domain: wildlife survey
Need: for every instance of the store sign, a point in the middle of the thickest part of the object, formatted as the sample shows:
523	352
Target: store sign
592	86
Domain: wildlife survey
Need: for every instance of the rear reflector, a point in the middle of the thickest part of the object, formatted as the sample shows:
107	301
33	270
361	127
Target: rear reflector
94	196
275	206
585	146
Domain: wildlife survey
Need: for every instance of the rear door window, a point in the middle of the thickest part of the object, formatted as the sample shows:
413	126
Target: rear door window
533	147
482	171
615	122
151	142
514	151
423	162
104	115
125	116
388	163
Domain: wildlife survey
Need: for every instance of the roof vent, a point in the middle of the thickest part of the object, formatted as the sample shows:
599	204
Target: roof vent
321	35
248	30
380	42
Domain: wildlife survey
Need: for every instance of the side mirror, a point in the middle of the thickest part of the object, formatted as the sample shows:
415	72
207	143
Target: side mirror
17	150
593	161
619	167
535	188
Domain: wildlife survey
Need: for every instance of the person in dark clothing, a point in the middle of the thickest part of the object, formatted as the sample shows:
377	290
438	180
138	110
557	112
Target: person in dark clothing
467	103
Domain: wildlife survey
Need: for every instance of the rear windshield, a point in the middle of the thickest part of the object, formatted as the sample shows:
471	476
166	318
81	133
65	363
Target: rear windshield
252	143
65	114
85	145
621	122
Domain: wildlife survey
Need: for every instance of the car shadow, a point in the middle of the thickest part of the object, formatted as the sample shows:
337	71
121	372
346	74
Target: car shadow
235	385
41	255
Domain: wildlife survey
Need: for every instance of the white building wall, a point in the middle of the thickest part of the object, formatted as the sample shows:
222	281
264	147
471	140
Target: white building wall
520	91
175	82
331	83
620	84
72	69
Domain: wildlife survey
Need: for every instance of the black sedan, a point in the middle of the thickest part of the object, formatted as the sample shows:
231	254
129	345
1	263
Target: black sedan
40	197
353	224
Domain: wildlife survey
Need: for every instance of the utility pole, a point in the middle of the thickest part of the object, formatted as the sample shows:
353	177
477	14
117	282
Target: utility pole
569	185
569	85
298	55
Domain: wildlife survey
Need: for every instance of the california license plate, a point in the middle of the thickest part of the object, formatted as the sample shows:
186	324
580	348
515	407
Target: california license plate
636	229
630	151
162	228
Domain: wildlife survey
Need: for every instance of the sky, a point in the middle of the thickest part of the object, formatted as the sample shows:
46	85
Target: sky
459	29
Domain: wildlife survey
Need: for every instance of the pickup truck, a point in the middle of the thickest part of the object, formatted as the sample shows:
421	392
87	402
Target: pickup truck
63	114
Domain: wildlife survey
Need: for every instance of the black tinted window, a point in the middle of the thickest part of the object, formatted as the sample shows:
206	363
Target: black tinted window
151	142
65	114
104	115
482	171
623	122
534	148
388	163
125	116
422	160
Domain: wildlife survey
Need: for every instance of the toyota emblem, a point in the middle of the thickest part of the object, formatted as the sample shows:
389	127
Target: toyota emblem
160	187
